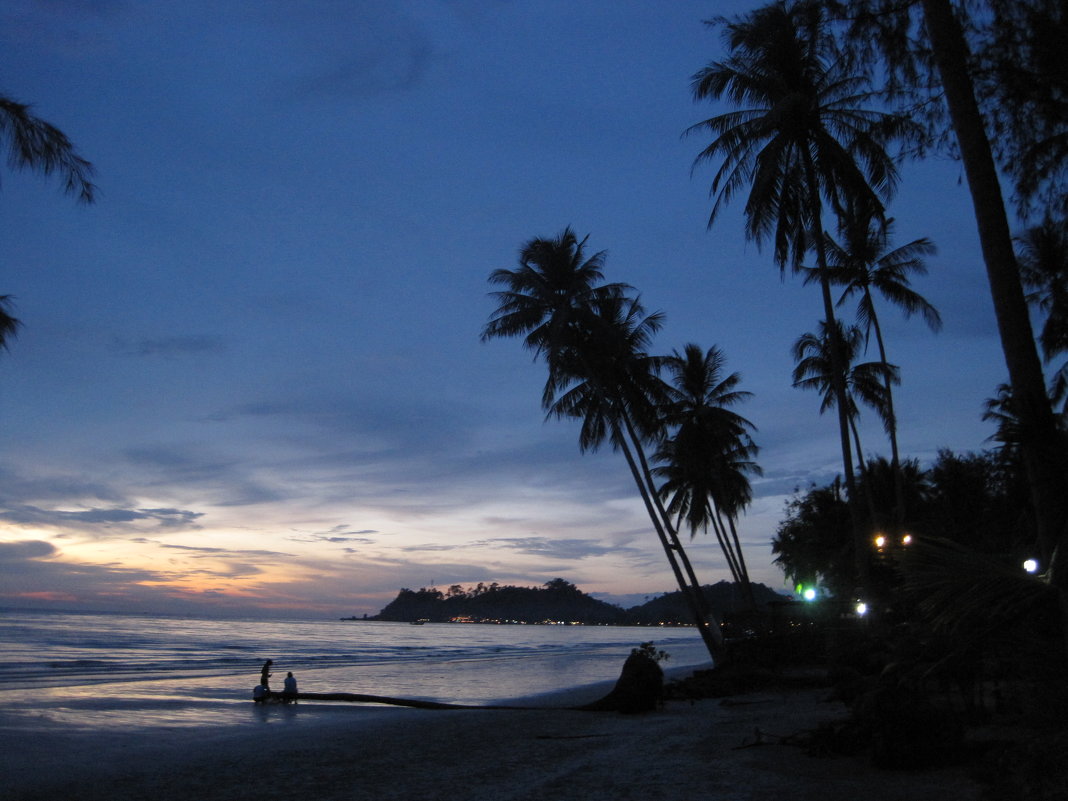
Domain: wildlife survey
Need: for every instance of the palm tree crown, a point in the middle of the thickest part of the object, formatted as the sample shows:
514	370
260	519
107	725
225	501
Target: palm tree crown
606	377
710	451
32	143
801	132
865	381
864	262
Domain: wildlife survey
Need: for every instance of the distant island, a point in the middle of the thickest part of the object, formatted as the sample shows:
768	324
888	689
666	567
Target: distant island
558	602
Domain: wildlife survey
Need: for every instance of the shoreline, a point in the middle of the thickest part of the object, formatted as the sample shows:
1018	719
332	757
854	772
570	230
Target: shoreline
707	749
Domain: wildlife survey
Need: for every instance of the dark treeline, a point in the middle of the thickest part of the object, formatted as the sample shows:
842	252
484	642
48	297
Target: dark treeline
976	501
556	601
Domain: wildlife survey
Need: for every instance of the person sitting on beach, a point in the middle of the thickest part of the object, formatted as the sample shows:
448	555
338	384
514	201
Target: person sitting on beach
265	675
289	688
259	695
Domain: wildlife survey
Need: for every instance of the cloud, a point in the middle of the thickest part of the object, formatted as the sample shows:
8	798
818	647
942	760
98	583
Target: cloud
19	488
31	571
198	551
88	519
25	549
548	547
556	548
171	347
222	481
337	535
372	49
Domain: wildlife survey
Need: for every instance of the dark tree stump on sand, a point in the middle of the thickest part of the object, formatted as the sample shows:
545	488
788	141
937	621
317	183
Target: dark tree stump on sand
640	687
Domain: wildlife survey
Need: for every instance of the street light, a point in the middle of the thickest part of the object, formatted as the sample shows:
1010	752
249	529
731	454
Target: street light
1030	565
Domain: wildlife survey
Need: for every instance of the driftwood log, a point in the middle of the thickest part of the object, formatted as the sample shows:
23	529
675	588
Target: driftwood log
640	688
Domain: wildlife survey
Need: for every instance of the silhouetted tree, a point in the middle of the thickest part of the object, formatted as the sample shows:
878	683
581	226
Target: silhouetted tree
864	264
594	340
1022	85
804	135
706	458
866	381
920	46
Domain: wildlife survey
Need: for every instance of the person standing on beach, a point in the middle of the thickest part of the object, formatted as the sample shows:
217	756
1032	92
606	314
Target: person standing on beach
265	675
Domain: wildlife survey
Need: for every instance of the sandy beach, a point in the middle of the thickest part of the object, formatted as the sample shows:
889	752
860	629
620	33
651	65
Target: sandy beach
728	751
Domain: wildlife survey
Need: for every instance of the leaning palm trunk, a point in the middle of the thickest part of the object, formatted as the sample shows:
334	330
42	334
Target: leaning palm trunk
747	585
1044	462
707	625
648	489
728	550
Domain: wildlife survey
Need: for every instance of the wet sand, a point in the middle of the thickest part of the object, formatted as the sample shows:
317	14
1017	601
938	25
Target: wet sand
703	750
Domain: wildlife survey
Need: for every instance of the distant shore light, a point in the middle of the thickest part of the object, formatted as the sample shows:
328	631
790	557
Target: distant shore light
862	608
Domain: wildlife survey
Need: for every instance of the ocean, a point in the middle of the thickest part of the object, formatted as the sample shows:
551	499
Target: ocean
100	670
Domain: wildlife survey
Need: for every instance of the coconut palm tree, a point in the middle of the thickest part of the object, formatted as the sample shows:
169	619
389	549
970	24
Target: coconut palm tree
803	137
31	143
863	262
705	460
864	381
607	380
594	339
549	295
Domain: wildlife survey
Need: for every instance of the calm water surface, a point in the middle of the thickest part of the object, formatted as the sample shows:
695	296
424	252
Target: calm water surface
176	670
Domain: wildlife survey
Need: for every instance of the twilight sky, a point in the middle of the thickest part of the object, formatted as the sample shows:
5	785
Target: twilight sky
250	376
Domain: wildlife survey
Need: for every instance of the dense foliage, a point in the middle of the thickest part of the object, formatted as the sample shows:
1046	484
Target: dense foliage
975	500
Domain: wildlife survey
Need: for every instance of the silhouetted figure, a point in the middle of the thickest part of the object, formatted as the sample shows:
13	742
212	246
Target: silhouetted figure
265	675
289	688
259	694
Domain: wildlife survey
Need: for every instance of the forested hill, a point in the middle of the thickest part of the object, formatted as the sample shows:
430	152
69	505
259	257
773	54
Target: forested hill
724	597
555	601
